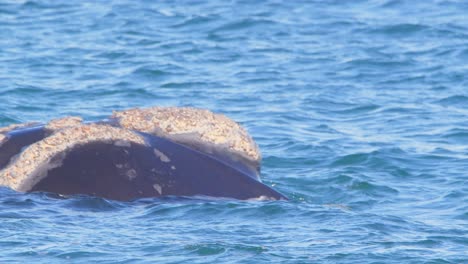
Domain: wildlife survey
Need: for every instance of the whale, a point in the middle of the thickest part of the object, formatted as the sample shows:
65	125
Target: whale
138	153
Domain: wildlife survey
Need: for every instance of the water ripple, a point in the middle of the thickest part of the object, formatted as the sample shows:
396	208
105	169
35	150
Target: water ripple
359	108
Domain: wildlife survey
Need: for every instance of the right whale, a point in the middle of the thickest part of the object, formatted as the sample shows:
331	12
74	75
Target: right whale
160	151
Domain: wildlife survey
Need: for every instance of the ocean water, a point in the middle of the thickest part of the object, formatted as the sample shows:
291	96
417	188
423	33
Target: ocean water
360	109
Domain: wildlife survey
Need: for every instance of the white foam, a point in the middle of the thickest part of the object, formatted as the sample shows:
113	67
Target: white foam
261	198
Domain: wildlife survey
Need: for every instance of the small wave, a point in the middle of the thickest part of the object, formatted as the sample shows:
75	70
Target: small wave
457	135
206	249
111	55
6	120
372	189
454	100
352	159
282	162
195	22
183	85
90	203
243	24
373	64
357	110
151	73
404	29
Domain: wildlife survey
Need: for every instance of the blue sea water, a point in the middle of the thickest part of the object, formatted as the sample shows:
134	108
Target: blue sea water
360	109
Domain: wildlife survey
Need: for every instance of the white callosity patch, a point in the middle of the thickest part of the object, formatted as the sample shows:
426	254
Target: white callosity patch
31	165
161	156
122	143
65	122
193	127
131	174
158	188
197	128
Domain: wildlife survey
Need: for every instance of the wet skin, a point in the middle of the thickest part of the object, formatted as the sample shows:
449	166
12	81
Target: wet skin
127	172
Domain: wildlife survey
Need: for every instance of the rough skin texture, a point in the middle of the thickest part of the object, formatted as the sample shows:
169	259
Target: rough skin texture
190	126
65	122
185	123
31	165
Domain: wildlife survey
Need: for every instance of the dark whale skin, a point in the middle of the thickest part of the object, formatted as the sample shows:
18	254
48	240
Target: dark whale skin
128	172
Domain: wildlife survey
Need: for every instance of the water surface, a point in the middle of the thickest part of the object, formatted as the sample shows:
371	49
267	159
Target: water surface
359	107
